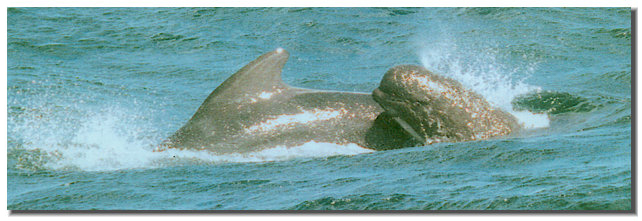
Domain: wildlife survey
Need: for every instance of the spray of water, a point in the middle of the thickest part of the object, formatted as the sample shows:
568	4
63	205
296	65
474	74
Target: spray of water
481	71
115	138
79	136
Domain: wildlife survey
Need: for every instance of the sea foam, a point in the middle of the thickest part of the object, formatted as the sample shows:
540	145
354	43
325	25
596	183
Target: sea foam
110	139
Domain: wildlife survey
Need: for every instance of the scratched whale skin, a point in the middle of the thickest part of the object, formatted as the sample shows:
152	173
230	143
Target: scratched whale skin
434	109
254	110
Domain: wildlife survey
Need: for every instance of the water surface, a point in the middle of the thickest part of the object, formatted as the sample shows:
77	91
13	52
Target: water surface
92	91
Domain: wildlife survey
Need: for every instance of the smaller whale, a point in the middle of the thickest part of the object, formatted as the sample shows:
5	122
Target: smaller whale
432	108
254	110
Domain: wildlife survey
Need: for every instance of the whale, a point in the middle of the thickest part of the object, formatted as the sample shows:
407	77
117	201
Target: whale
434	109
255	110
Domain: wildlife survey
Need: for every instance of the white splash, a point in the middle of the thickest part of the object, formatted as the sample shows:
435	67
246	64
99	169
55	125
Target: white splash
109	139
112	139
278	153
288	120
309	149
530	120
481	71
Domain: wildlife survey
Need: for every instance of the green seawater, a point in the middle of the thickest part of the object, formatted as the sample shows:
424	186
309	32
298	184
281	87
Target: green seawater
92	91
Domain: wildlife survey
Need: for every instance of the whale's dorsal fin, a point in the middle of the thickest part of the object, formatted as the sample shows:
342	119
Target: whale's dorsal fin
260	75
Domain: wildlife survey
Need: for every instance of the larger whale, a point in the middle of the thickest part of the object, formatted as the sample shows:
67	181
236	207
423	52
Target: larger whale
253	110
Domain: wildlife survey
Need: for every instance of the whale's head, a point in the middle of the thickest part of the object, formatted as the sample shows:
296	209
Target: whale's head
433	108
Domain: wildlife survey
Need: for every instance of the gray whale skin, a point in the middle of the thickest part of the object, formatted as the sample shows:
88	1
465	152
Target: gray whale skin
254	110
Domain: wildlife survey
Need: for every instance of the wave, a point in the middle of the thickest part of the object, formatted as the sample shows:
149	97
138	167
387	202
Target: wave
551	102
113	139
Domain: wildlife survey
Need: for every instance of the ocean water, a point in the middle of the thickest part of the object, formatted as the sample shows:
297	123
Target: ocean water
92	91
